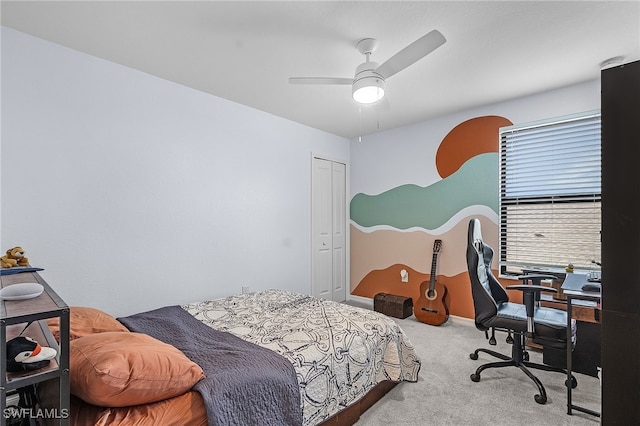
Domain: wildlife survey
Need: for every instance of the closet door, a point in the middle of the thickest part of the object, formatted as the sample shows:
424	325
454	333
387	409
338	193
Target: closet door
338	231
329	230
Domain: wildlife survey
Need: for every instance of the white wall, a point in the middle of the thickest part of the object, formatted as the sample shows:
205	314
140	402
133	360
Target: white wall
134	192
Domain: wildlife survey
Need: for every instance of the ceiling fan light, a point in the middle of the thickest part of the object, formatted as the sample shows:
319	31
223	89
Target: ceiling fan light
368	90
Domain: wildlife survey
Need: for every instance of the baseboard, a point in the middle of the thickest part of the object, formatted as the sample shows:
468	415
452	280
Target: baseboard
462	320
360	300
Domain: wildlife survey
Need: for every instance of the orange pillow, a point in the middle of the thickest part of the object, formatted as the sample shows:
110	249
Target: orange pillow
84	321
185	410
115	369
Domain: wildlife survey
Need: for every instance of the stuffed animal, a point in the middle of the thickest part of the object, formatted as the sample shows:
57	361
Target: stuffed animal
25	354
14	257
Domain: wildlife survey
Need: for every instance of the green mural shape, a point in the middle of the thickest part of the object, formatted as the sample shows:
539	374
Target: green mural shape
407	206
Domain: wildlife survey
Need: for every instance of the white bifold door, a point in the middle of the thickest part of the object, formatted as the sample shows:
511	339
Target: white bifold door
329	217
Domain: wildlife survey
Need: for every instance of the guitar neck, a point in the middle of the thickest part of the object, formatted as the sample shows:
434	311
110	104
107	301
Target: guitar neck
432	279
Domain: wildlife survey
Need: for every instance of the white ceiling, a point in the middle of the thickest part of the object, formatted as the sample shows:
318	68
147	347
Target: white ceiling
246	51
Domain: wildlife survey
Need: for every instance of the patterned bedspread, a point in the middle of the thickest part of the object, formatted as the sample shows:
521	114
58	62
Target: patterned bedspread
339	352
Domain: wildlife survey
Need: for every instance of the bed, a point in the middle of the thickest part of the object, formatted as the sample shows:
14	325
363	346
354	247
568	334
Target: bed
202	363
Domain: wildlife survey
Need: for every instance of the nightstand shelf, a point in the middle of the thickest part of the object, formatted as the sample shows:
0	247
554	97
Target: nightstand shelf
14	316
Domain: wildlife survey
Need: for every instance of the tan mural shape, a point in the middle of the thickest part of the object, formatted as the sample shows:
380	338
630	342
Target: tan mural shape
379	249
416	248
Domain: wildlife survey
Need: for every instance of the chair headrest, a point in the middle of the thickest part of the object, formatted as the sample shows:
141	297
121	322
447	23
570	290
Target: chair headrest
476	230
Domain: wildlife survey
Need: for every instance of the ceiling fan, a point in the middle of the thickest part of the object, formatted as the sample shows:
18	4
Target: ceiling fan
367	86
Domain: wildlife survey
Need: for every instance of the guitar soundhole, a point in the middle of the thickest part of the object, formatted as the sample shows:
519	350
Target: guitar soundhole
431	294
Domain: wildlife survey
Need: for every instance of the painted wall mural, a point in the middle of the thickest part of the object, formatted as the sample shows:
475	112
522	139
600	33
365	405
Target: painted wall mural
396	229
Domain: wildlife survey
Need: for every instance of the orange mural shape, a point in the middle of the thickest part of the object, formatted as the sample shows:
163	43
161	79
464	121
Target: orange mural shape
459	300
472	137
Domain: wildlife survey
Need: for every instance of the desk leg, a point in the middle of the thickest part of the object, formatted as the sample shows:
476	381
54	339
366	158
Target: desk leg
569	355
570	405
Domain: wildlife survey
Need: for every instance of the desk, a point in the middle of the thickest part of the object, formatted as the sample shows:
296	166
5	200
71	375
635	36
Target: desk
572	288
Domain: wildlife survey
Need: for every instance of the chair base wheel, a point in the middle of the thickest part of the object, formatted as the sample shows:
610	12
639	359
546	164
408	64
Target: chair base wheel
475	377
473	356
540	399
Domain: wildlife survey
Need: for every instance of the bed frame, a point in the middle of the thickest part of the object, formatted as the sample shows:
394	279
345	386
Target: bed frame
352	413
347	417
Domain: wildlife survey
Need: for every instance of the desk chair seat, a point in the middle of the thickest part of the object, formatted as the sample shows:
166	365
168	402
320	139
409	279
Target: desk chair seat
494	311
550	324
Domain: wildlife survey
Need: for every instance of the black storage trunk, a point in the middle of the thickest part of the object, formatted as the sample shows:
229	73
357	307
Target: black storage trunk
392	305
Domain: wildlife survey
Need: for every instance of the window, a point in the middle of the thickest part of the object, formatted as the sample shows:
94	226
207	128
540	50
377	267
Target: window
550	183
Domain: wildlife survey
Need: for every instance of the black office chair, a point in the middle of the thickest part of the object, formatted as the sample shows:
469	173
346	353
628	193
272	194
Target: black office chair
493	311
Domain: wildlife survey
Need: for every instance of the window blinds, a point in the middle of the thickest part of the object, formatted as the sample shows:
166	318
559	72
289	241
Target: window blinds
550	182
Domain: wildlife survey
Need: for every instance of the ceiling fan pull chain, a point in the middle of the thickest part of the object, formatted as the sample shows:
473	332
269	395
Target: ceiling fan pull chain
360	114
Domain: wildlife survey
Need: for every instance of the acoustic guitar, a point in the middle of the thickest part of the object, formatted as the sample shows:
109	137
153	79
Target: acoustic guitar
430	307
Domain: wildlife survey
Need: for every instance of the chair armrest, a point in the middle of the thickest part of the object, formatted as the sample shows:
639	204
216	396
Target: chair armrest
529	300
531	288
536	279
536	276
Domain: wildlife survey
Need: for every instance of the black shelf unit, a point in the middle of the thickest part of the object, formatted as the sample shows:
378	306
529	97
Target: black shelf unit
14	316
620	106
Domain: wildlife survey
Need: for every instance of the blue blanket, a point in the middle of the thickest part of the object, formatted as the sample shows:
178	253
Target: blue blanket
245	384
18	270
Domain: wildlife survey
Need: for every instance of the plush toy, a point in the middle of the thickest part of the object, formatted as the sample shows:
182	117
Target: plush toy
14	257
25	354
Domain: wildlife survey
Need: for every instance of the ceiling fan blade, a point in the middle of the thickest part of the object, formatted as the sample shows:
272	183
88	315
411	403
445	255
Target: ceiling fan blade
320	80
411	54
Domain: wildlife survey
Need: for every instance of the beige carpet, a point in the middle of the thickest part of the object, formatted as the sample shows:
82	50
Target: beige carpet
445	395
